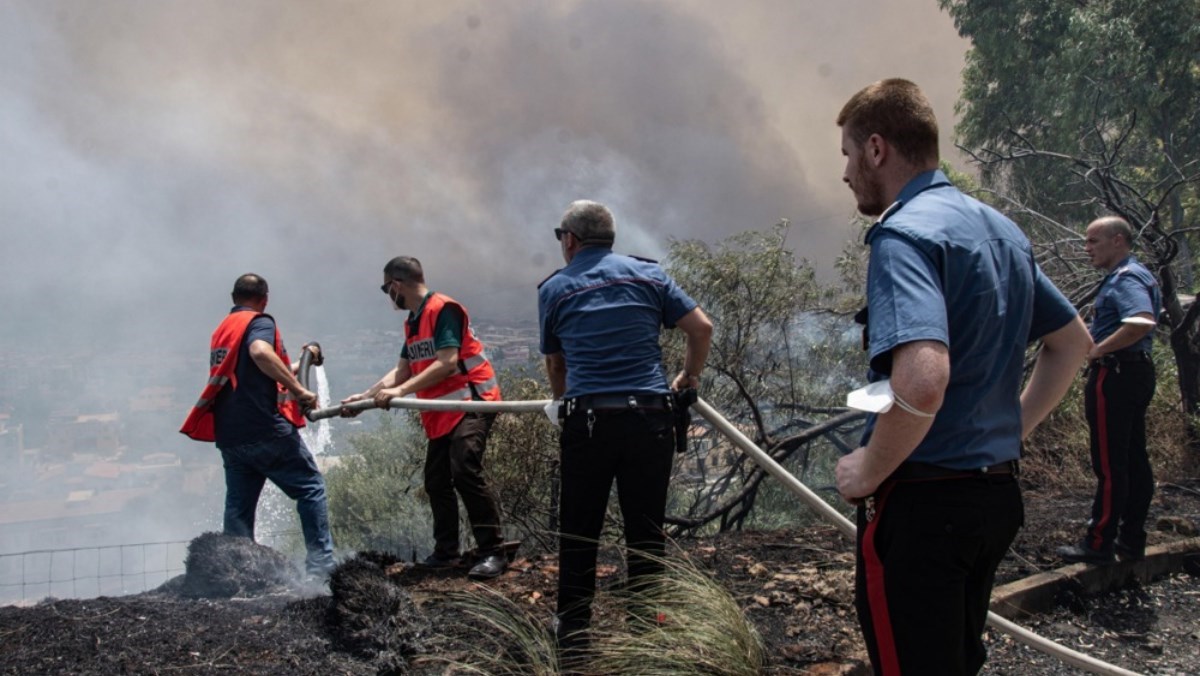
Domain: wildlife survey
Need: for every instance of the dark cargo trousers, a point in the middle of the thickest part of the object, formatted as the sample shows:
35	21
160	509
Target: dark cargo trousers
454	463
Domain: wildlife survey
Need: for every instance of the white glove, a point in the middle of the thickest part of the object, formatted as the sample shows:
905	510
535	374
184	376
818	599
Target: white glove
552	411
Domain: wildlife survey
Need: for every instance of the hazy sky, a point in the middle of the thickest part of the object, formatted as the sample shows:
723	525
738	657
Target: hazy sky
152	150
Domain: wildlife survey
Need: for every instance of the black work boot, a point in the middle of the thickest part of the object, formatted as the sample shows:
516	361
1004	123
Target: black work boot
490	566
1129	552
1083	554
573	643
437	561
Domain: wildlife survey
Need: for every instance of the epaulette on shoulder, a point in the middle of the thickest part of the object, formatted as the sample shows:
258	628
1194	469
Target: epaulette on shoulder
548	277
644	260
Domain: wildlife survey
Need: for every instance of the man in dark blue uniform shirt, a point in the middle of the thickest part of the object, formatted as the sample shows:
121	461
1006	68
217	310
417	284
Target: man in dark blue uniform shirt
1120	385
953	297
600	319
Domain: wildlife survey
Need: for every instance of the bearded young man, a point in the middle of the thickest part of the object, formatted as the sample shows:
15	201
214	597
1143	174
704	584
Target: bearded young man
953	299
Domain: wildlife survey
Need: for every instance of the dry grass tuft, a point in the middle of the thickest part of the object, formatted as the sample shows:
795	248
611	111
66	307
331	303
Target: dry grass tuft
687	624
693	626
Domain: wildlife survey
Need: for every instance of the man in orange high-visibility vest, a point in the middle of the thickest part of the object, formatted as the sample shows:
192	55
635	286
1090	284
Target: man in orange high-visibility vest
442	359
251	409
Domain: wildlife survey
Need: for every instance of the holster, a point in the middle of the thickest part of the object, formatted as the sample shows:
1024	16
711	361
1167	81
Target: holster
683	399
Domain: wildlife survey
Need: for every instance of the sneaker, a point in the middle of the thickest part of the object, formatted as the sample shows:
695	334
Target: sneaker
1128	553
438	561
1080	554
488	567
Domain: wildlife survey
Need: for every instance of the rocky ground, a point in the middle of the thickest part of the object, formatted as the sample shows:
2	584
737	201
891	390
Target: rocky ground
382	616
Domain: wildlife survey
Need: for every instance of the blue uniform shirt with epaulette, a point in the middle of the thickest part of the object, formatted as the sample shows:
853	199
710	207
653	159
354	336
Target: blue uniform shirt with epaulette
604	312
948	268
1128	290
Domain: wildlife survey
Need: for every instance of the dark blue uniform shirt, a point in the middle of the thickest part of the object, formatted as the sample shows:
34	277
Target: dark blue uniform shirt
604	312
948	268
1128	290
250	413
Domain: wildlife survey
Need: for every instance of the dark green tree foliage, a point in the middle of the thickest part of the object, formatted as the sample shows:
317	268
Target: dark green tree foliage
522	463
1078	91
1060	74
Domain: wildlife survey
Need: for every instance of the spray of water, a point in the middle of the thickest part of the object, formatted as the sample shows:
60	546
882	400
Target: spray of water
276	511
317	436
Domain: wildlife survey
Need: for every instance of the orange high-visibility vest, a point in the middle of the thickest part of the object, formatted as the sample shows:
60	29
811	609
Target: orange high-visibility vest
474	379
222	365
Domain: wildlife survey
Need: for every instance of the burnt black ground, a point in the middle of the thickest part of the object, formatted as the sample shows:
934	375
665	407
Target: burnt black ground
385	617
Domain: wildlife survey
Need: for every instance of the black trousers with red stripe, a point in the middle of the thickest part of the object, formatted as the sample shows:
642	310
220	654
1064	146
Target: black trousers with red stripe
1115	401
925	568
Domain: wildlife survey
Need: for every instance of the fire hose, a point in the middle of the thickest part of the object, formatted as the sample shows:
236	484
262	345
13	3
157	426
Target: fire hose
764	460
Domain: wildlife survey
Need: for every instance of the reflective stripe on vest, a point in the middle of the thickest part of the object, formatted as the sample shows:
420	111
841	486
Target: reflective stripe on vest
464	394
472	362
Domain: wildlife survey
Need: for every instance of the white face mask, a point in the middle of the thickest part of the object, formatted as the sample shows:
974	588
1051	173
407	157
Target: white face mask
878	397
874	398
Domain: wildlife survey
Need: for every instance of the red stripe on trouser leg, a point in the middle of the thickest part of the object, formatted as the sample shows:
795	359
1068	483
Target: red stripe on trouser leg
1106	498
881	622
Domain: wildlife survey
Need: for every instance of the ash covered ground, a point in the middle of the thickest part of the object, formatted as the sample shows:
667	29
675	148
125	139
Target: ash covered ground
239	608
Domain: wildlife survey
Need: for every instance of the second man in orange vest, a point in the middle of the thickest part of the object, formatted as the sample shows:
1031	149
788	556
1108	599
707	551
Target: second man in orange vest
442	359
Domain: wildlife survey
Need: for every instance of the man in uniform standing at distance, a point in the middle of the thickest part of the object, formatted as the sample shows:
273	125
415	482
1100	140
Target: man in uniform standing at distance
1120	385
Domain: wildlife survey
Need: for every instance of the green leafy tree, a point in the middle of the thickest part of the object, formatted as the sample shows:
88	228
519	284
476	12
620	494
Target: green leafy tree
376	499
1062	75
778	369
522	463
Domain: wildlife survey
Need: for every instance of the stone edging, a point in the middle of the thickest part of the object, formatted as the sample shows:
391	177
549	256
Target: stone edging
1037	593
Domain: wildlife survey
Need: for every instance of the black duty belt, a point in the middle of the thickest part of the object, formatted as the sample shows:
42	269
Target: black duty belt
1125	356
920	471
617	402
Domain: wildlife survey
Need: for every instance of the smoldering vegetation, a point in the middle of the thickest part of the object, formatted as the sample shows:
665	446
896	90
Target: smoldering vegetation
221	566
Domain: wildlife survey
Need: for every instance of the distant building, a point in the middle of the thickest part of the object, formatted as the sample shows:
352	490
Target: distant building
516	353
154	399
94	434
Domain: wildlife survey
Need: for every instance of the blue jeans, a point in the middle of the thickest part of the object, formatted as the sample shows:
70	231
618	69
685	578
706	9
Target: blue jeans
287	462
